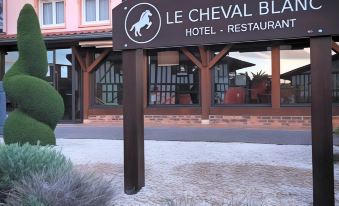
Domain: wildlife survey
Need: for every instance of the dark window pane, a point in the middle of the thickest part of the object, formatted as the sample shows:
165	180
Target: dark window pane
47	12
103	10
108	81
60	12
90	6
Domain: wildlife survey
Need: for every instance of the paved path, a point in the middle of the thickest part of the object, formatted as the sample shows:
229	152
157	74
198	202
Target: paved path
264	136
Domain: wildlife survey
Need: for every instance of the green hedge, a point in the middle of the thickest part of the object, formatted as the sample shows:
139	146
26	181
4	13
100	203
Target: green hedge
40	106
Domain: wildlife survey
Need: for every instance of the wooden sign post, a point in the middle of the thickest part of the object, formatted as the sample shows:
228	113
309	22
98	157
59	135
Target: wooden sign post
154	24
133	62
322	137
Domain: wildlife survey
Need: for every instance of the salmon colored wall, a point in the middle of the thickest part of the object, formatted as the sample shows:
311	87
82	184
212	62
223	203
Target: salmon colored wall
73	16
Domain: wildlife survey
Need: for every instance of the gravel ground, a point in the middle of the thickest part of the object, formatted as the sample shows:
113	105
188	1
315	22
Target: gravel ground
199	173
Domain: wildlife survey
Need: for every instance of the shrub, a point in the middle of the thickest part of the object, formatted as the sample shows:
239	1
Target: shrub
18	161
63	189
40	106
336	131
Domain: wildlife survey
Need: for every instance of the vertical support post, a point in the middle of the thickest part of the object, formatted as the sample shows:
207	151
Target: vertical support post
2	108
73	86
86	83
205	93
322	139
2	64
275	77
133	62
205	86
86	88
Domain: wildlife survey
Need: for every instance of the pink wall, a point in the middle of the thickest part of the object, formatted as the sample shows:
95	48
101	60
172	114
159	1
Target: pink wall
73	16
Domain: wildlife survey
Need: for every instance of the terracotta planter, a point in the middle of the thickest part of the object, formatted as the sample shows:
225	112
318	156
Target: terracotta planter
235	95
257	89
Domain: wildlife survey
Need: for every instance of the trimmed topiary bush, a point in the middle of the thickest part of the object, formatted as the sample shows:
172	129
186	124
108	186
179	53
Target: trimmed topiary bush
40	106
17	162
69	188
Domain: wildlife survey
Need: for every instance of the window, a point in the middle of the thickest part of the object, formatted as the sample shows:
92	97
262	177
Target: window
95	11
295	87
295	83
108	81
242	78
52	12
172	83
1	16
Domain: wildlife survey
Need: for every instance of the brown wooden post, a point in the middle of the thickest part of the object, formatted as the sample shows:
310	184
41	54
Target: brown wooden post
322	139
205	85
86	85
205	93
275	77
133	62
2	64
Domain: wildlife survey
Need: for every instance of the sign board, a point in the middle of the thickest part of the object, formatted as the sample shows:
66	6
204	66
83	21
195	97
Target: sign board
172	23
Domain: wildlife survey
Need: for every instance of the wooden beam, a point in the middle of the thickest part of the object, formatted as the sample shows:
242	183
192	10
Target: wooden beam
86	85
205	85
88	59
78	58
95	43
203	56
191	57
321	110
86	93
335	47
98	60
275	93
219	56
205	93
133	110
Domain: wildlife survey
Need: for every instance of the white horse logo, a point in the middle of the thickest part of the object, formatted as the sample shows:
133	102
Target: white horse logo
143	21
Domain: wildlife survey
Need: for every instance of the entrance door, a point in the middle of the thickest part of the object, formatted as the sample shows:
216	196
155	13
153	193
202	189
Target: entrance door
62	76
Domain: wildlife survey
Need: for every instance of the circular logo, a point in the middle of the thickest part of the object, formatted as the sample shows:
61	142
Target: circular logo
142	23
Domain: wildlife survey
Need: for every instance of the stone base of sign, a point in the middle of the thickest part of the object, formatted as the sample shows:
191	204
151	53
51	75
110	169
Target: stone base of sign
279	122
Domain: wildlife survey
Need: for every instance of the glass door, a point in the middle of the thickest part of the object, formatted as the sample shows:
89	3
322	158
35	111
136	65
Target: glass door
62	76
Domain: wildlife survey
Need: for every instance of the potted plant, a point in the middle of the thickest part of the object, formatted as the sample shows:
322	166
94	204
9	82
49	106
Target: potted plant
259	84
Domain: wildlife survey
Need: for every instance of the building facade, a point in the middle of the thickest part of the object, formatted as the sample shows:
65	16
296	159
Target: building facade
89	75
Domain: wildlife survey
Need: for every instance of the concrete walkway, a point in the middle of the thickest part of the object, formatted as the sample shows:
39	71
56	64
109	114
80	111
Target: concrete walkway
263	136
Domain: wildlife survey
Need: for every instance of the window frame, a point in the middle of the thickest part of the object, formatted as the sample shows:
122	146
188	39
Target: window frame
162	94
54	15
93	90
97	14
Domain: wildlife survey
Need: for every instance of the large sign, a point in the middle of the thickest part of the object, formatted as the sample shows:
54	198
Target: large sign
172	23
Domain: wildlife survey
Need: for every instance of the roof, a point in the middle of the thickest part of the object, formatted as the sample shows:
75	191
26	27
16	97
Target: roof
63	36
235	64
303	69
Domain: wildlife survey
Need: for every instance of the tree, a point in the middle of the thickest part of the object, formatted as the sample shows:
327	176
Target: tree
40	106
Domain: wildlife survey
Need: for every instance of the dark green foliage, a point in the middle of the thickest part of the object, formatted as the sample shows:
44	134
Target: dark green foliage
40	106
27	130
17	162
336	131
259	76
69	188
